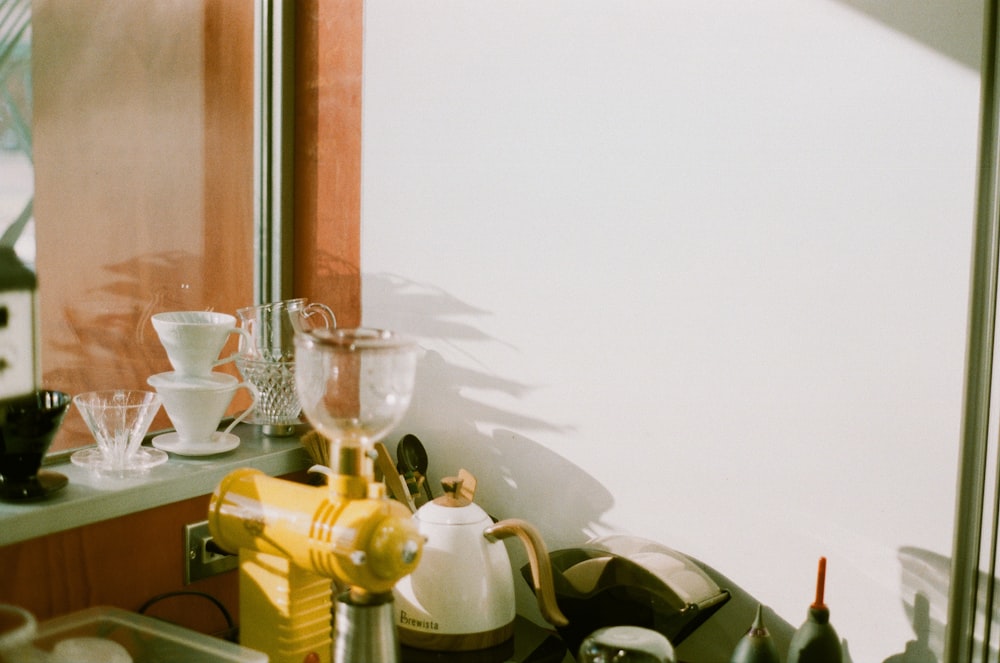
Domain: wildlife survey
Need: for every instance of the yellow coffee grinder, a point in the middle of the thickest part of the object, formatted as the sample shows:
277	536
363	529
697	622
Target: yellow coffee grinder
300	546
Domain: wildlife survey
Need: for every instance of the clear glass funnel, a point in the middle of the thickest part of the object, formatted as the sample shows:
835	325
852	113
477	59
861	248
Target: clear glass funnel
118	420
354	384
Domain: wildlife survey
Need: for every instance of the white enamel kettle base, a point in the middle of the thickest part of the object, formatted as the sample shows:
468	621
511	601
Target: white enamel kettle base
461	595
459	620
421	630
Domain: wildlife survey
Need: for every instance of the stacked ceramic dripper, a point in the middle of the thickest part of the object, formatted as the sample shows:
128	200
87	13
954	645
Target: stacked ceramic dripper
267	358
195	395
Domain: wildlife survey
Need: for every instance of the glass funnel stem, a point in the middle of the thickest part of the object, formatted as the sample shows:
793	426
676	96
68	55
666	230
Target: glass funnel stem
351	470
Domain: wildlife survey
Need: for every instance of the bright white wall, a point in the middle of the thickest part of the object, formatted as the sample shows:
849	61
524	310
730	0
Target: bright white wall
695	271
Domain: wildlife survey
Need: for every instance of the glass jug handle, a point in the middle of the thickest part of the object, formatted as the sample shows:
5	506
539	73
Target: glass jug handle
313	309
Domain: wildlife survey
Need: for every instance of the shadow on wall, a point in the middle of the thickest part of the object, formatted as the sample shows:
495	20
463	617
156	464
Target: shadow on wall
463	430
454	415
926	577
951	27
516	474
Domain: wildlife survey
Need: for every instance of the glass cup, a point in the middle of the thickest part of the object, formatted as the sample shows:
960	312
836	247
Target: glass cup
194	339
626	644
118	419
196	406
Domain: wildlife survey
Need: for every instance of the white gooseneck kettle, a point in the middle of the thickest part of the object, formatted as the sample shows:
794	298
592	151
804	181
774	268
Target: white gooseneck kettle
461	595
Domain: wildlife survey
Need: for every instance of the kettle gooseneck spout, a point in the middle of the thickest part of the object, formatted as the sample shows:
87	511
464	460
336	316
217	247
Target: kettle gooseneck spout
541	568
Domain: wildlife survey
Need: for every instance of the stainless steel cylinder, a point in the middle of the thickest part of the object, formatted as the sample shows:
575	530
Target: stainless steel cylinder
365	632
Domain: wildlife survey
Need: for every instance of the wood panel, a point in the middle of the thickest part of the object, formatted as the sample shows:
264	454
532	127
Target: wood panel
143	157
228	241
121	562
328	155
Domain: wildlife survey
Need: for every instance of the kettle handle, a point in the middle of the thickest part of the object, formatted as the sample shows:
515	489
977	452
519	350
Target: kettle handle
538	557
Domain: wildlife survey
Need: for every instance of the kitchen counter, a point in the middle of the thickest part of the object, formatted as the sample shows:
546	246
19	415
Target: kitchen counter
89	498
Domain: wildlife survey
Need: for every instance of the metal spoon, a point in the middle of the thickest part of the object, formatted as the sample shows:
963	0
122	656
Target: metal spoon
411	456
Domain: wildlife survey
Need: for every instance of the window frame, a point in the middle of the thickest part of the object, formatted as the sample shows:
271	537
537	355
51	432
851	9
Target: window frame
274	76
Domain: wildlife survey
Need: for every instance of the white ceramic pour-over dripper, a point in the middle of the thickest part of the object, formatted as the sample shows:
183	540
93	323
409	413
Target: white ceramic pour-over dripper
196	406
194	339
118	420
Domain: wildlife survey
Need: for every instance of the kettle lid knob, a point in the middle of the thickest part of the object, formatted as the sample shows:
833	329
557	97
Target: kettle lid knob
452	487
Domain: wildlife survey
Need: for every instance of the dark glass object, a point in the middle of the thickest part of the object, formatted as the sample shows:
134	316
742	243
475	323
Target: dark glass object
28	425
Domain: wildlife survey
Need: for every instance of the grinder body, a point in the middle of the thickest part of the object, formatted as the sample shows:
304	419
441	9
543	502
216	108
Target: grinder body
296	544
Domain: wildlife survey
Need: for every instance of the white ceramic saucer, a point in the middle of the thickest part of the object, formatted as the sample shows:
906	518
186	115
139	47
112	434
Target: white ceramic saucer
220	443
143	459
